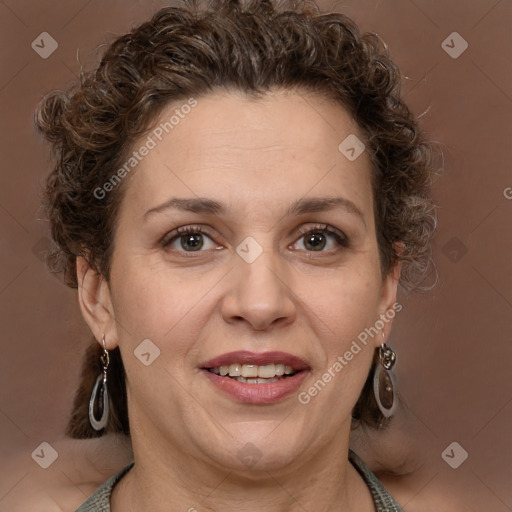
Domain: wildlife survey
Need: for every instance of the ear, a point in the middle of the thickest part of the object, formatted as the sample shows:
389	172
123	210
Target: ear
95	303
388	304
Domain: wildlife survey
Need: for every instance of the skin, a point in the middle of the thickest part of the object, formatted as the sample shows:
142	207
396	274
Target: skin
257	157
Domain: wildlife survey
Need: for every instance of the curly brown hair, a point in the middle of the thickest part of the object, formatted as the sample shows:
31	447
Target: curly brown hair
252	46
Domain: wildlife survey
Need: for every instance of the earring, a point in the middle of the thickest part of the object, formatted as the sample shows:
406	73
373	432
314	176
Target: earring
99	396
384	381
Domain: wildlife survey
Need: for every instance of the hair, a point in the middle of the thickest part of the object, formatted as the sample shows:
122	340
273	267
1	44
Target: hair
254	47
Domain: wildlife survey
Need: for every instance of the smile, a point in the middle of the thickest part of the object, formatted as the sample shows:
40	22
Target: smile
254	374
256	378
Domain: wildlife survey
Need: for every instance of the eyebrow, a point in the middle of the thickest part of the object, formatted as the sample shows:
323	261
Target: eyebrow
299	207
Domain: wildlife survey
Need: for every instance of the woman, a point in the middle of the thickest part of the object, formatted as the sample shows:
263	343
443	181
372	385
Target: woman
238	192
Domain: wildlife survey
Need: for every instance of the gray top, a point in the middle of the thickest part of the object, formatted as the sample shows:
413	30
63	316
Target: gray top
100	500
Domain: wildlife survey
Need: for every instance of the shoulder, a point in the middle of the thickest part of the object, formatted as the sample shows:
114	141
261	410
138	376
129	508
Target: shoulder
409	472
79	469
422	493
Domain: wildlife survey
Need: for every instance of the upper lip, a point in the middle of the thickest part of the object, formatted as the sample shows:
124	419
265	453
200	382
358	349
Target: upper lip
259	359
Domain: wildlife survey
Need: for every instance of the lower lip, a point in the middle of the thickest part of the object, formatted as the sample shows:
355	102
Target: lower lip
257	393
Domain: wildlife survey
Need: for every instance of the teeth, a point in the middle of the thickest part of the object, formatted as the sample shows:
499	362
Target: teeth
259	381
268	371
253	373
279	369
235	370
249	370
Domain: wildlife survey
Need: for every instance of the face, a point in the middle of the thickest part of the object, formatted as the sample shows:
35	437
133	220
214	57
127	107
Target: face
266	266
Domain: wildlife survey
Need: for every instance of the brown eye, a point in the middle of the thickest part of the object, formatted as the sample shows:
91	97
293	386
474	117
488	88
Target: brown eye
317	238
315	241
187	239
194	241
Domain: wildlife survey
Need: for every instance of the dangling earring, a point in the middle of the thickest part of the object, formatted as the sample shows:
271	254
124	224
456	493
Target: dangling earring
384	381
100	394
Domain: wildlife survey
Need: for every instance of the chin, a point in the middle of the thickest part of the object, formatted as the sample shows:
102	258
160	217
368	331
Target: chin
254	460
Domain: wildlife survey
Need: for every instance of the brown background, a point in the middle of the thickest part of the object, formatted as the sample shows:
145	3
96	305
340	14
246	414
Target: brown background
454	343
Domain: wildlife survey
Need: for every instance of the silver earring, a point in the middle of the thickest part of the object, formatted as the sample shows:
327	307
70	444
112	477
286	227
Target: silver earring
99	395
384	381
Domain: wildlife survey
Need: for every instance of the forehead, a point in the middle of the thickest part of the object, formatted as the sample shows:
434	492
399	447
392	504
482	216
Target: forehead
254	152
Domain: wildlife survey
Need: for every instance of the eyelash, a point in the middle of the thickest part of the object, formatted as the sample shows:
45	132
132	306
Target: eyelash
339	236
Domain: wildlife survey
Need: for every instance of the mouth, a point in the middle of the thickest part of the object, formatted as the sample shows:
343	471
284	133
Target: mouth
256	378
255	374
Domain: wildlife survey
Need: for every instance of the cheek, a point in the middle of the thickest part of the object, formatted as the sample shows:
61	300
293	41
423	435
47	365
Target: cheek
345	303
151	302
155	302
345	307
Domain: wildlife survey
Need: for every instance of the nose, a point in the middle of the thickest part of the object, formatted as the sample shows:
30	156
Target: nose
260	294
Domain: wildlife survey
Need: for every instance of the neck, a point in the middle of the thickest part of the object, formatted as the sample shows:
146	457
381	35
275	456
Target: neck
165	478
